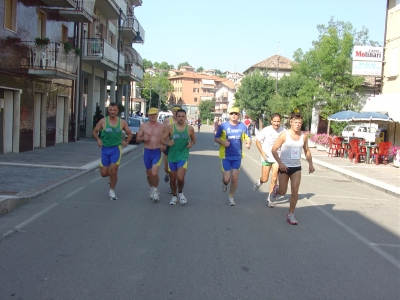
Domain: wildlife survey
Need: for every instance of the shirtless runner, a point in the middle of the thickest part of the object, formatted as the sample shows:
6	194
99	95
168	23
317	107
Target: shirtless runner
150	133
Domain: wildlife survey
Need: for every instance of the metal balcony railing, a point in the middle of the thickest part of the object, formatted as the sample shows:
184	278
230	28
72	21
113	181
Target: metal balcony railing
100	48
132	23
86	5
52	56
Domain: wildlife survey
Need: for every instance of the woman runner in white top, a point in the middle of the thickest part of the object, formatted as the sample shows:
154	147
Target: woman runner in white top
291	142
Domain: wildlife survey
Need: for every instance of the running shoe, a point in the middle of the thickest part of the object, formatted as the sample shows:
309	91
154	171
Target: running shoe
154	196
274	194
256	185
166	177
169	190
291	219
173	200
270	203
112	195
231	202
182	198
224	187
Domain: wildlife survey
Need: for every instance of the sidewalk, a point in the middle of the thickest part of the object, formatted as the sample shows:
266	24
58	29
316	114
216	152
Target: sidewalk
27	175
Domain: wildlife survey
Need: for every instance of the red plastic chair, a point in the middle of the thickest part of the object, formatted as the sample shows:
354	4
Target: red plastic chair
382	153
335	147
356	151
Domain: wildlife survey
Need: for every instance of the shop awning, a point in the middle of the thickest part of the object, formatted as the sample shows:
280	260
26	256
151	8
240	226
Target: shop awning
386	103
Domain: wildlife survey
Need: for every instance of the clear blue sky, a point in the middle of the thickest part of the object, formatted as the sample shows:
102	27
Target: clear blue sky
234	35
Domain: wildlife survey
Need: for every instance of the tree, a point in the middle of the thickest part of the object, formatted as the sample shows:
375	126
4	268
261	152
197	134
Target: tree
163	66
147	64
199	69
207	108
158	87
183	64
327	68
254	94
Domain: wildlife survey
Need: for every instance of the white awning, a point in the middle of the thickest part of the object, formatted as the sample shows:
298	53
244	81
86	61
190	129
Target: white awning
385	103
208	81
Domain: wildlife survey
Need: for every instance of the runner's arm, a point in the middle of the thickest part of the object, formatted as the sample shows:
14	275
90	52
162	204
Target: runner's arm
165	136
307	153
277	145
96	130
140	135
128	131
192	137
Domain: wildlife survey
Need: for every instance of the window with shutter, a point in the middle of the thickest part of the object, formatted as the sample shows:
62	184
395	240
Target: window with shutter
10	15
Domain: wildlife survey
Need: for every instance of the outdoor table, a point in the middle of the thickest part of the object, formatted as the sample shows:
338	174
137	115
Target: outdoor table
345	148
368	156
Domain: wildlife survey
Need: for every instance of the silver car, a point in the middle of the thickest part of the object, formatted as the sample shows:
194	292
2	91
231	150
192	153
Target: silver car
134	124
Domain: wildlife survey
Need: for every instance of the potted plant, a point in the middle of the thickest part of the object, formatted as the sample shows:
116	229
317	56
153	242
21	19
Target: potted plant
67	47
40	42
78	51
310	140
395	152
322	141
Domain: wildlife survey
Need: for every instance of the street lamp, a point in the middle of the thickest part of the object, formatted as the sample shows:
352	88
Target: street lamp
137	39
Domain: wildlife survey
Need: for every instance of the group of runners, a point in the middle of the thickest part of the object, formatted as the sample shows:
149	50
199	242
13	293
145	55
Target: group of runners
280	151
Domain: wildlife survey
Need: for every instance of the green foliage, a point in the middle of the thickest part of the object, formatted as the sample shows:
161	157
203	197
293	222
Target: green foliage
147	64
155	88
254	94
337	127
78	51
67	47
199	69
325	71
183	64
207	108
163	66
42	41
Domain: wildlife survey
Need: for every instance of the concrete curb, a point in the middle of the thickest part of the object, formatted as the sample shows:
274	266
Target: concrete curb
8	203
381	186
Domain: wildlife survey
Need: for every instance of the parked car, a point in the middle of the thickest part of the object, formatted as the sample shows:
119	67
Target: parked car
361	131
134	124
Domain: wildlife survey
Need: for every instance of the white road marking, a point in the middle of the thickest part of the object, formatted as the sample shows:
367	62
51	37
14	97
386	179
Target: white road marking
358	236
31	219
386	245
74	192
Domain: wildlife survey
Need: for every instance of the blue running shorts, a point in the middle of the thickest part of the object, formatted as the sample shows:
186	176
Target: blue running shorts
151	157
173	166
229	164
110	155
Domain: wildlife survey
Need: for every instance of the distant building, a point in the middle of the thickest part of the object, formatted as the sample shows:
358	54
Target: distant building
192	88
224	98
210	72
234	76
276	66
186	69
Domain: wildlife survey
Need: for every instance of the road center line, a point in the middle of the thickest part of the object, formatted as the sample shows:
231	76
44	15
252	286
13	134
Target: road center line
358	236
74	192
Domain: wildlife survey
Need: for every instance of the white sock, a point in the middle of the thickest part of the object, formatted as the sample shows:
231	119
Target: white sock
258	182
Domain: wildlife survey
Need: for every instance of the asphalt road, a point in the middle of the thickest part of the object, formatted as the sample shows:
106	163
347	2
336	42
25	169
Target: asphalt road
74	243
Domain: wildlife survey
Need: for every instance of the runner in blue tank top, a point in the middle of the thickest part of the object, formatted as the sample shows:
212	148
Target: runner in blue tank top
230	136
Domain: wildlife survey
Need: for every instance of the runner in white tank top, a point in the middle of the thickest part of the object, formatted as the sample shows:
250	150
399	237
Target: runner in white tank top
291	142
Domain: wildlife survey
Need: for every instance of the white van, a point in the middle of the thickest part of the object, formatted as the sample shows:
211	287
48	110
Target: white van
164	114
360	131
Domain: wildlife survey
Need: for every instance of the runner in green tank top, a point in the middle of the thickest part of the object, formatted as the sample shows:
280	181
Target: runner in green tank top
110	143
180	137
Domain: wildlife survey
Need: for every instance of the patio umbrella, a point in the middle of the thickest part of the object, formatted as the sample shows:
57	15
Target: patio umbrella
371	116
343	116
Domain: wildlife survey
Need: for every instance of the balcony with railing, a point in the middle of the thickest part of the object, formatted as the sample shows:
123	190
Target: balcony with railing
101	54
132	73
83	12
109	9
222	99
131	28
50	61
60	3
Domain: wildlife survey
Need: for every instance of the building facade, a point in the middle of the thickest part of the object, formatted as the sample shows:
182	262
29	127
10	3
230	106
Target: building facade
57	59
224	98
192	88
